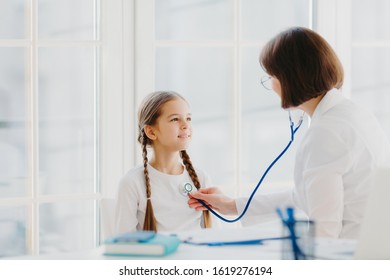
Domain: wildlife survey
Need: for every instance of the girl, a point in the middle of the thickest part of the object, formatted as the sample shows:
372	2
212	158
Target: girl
343	146
154	196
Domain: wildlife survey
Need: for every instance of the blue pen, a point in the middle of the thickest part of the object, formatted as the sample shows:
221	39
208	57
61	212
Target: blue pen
244	242
225	243
290	224
291	227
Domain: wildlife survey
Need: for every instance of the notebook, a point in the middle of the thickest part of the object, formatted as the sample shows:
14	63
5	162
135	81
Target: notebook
374	239
141	243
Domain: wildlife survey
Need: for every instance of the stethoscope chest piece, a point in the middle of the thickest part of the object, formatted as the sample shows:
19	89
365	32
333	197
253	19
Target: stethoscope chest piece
186	189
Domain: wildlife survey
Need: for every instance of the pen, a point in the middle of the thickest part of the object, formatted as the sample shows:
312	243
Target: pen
244	242
290	224
241	242
291	227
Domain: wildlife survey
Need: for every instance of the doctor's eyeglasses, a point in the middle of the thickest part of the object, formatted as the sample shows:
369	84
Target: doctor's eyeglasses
266	81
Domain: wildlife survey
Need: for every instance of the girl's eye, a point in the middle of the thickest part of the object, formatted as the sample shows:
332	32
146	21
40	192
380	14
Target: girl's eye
189	119
174	120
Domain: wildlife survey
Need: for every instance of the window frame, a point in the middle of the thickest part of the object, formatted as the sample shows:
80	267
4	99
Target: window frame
145	45
114	110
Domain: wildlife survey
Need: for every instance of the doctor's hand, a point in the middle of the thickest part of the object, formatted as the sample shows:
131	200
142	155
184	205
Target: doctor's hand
215	199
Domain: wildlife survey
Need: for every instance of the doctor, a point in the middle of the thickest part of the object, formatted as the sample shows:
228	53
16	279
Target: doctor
344	144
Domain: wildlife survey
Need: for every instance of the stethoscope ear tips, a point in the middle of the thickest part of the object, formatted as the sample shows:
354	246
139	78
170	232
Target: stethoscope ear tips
186	189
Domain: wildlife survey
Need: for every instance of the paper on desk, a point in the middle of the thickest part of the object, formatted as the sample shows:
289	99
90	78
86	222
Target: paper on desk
335	249
230	234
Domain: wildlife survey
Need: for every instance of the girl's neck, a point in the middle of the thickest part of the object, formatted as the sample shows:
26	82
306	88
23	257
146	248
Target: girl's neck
168	164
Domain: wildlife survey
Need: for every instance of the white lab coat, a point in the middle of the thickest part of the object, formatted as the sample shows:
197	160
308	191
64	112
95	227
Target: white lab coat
333	169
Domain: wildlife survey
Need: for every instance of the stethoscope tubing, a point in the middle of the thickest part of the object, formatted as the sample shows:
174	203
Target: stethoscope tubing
293	131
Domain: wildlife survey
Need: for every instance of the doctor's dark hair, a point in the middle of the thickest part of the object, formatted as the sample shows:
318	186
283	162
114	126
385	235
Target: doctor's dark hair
149	112
304	63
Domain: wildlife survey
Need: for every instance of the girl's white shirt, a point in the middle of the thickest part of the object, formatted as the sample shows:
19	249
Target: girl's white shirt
169	204
333	169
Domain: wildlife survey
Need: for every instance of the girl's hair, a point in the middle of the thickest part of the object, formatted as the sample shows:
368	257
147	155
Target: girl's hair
304	63
148	114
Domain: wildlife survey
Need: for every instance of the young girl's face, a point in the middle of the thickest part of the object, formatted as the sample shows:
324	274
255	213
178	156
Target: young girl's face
173	129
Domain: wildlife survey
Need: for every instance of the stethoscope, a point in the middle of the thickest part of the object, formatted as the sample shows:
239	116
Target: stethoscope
188	188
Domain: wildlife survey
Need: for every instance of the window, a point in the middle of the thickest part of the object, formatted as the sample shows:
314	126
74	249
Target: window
50	84
371	57
208	52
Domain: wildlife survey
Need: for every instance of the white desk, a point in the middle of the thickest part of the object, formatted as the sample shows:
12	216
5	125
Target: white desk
270	250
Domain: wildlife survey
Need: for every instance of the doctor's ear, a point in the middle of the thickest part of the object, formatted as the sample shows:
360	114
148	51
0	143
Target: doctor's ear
149	132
